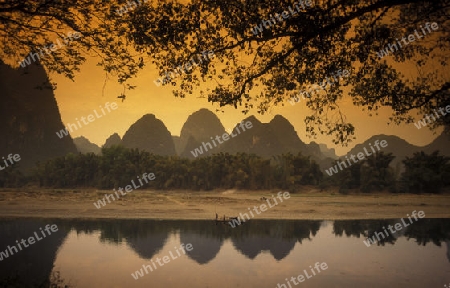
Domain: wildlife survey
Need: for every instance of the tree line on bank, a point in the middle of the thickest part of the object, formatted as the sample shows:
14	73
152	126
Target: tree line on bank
421	173
117	166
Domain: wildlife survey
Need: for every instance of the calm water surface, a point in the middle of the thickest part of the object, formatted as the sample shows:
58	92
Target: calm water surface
104	253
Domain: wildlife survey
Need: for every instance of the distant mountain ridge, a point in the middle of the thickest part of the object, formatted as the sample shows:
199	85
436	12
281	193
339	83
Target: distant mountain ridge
441	143
400	148
114	139
29	120
263	139
199	127
327	152
85	146
151	135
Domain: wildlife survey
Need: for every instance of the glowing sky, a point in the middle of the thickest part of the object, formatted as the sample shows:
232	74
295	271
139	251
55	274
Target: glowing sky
80	98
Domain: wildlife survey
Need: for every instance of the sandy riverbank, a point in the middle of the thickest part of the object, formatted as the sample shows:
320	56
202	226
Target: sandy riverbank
307	204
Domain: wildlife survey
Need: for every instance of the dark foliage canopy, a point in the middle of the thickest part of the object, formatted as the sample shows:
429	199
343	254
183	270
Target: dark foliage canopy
254	70
118	165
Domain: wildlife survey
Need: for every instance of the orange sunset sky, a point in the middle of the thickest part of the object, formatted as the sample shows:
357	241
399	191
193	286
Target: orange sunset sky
80	98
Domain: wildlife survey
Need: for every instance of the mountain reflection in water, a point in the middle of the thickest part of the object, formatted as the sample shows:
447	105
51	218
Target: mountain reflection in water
138	241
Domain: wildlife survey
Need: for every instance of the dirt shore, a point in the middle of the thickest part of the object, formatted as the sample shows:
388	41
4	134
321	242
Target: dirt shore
307	204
